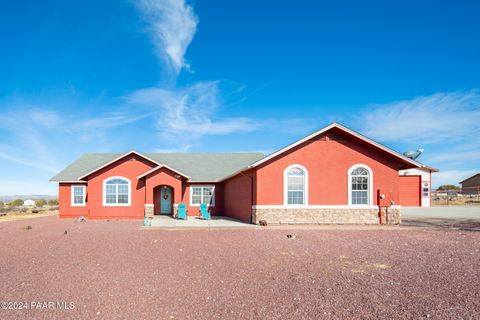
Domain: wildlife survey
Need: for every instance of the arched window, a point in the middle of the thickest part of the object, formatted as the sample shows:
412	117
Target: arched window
116	191
295	185
360	185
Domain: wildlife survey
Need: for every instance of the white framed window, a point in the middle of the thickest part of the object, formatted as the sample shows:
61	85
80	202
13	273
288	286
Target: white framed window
78	195
295	185
116	192
360	185
202	194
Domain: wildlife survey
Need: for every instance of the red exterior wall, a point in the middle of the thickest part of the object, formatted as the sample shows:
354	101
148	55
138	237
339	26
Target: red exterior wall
65	207
143	191
239	196
217	210
328	159
160	177
129	167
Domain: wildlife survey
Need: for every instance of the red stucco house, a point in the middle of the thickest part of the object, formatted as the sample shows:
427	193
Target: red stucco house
334	175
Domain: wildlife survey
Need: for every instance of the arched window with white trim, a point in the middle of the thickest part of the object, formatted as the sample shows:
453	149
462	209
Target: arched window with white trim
295	185
116	191
360	185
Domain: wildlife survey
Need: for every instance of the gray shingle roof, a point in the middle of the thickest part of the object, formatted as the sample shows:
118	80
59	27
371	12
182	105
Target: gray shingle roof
202	167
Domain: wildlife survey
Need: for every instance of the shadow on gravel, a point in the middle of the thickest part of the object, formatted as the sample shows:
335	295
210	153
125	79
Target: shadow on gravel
458	224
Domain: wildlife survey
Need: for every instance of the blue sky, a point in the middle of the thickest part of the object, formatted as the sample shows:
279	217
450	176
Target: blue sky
170	75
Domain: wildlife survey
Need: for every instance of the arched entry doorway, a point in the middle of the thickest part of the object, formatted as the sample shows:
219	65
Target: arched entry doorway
163	196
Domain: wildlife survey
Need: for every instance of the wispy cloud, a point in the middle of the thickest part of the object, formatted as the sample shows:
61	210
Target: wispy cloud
458	156
184	114
447	124
32	137
7	154
431	119
451	176
172	25
189	112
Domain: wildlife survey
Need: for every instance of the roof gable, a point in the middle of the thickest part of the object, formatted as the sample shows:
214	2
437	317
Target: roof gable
346	130
115	160
158	168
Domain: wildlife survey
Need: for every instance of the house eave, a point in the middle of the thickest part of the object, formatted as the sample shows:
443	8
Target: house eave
158	168
347	130
115	160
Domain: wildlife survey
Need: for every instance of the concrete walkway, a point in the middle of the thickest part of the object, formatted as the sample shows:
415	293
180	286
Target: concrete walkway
463	218
196	222
444	212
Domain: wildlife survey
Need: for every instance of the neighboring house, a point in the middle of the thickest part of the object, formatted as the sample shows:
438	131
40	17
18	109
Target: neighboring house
29	203
334	175
471	185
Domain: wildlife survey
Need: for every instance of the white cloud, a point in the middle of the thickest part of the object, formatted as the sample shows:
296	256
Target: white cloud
451	177
188	113
441	117
24	161
457	156
32	136
91	128
47	119
172	26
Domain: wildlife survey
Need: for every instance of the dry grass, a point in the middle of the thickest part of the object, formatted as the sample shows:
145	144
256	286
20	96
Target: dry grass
17	215
456	201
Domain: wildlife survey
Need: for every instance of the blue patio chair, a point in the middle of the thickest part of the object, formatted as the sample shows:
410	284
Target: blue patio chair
204	211
182	211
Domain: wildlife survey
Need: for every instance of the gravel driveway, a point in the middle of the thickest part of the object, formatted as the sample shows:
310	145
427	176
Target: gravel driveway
115	269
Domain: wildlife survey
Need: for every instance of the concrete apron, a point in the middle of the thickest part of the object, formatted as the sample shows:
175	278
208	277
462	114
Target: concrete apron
169	222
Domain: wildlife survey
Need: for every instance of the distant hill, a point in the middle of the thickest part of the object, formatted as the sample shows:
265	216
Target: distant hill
29	196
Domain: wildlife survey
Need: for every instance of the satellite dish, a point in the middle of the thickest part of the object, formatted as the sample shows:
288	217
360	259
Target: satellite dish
413	154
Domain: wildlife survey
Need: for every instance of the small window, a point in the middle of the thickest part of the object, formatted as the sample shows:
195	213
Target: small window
78	195
116	192
202	194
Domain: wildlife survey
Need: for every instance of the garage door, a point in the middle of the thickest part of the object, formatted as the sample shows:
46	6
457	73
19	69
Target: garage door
410	191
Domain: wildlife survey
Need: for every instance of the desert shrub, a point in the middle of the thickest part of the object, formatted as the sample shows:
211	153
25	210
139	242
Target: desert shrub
16	203
53	202
40	203
447	187
2	204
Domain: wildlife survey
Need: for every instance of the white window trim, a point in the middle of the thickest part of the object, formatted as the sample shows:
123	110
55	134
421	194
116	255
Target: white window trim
370	185
202	186
285	187
128	204
72	197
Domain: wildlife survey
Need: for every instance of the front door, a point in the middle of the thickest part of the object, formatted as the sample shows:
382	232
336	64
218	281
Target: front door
166	200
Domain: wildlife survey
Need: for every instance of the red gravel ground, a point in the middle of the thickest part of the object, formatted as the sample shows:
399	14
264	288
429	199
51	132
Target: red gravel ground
117	270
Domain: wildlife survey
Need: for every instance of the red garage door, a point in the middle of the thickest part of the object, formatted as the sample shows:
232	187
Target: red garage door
410	191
